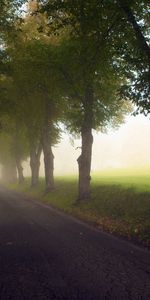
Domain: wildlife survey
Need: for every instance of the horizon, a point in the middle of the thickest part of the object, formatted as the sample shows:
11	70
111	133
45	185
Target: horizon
126	150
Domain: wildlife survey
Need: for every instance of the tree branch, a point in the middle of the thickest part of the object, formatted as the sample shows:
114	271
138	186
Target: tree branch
70	82
139	35
103	38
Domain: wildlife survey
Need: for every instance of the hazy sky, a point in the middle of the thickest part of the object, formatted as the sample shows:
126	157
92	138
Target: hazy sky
127	147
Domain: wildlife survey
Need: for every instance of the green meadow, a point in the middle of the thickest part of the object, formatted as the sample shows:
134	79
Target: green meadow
120	201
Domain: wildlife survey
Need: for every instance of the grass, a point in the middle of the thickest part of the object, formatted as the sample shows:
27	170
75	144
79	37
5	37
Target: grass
120	204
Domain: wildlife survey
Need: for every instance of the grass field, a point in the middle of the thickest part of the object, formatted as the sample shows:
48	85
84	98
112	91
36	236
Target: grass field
120	202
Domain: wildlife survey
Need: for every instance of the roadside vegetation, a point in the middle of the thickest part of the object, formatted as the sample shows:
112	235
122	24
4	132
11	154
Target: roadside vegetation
120	202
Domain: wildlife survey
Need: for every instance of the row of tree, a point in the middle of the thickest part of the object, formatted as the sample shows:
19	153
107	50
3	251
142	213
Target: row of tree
73	63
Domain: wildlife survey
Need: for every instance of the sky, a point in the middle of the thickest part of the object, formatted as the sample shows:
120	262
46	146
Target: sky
127	147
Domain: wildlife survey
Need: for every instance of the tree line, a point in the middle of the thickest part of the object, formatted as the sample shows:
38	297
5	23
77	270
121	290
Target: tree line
73	63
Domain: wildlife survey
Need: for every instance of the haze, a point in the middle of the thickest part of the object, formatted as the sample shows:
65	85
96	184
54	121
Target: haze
126	148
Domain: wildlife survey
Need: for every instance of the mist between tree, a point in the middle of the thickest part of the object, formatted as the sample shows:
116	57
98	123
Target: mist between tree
121	152
76	64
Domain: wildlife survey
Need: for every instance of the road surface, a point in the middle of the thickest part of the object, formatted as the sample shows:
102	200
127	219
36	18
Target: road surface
45	254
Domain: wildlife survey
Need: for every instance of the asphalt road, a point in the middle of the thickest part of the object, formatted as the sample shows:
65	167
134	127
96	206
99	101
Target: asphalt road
45	254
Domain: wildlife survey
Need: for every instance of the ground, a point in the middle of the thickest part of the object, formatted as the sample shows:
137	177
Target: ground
46	254
120	202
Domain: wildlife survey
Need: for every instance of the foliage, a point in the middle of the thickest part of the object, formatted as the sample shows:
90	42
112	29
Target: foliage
135	52
86	60
36	82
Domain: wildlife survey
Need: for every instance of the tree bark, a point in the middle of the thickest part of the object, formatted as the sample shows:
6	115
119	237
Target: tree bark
20	171
139	35
47	149
35	164
49	165
84	163
84	160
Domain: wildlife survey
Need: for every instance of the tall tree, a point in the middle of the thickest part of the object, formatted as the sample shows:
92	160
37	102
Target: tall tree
35	79
87	57
13	150
9	172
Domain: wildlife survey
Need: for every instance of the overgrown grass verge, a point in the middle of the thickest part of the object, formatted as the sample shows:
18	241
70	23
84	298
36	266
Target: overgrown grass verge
119	205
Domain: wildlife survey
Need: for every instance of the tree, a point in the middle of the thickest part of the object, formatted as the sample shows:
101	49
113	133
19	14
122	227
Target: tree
24	107
12	128
37	95
87	64
15	145
13	150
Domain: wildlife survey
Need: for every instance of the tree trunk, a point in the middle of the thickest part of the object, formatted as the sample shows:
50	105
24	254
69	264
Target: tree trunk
84	163
35	165
49	165
47	149
84	160
20	171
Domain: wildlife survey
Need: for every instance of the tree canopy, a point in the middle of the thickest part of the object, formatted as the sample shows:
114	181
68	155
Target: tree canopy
73	62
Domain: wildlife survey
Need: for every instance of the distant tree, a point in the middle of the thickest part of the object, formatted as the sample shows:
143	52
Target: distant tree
37	93
11	128
9	172
13	150
9	14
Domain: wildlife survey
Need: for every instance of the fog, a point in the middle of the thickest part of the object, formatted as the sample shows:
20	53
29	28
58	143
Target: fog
127	147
